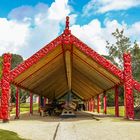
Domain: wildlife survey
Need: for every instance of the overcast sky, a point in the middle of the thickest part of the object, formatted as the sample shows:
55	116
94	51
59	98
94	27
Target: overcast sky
27	25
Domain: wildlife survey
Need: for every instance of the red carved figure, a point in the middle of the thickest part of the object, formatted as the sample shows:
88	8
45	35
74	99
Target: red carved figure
128	87
67	23
5	87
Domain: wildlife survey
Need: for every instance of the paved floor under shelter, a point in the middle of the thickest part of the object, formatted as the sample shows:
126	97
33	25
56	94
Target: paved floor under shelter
86	126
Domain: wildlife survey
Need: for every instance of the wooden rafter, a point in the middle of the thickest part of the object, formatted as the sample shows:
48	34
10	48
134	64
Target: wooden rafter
68	68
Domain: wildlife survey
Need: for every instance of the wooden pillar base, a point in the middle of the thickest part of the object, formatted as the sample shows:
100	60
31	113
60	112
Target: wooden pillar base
5	121
16	118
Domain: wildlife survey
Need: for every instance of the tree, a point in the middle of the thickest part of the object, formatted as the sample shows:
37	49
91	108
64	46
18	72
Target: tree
16	60
135	52
123	44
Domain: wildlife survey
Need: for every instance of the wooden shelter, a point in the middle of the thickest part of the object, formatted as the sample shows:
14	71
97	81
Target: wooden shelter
68	64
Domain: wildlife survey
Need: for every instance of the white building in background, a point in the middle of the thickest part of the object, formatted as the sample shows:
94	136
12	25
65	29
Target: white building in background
35	99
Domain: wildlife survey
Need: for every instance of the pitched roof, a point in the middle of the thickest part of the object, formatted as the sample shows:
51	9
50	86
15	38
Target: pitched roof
66	62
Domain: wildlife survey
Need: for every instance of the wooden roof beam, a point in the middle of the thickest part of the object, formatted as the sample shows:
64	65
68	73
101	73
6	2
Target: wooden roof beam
68	65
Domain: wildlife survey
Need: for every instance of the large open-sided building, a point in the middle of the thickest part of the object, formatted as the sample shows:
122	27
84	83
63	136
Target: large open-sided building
68	65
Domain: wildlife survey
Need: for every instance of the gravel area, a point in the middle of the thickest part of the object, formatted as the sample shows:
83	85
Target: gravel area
83	127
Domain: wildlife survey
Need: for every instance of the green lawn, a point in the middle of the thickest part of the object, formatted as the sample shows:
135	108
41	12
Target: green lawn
9	135
25	107
111	110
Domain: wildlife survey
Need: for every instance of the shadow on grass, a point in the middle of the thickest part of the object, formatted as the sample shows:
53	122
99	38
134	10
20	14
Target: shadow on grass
9	135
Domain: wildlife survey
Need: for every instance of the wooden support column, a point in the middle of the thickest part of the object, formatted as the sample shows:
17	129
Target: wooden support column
5	88
105	102
68	68
39	102
116	101
128	87
31	103
44	101
86	105
93	104
98	103
17	103
89	105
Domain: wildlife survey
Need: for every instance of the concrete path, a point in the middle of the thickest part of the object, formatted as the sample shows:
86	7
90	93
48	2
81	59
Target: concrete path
84	127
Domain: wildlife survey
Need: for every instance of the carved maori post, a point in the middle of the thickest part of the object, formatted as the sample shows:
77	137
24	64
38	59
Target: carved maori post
116	101
128	87
98	103
0	100
5	88
31	103
105	103
17	103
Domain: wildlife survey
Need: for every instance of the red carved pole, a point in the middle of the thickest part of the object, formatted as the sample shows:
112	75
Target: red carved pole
116	101
44	101
39	104
128	87
91	101
90	105
0	108
31	103
89	108
5	87
87	105
93	105
105	103
98	103
17	103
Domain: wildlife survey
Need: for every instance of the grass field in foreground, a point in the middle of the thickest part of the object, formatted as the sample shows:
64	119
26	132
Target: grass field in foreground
9	135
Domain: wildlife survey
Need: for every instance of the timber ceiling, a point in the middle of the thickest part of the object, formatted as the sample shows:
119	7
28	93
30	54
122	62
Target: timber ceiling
62	70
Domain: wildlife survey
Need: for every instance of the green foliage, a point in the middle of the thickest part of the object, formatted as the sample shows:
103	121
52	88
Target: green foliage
121	45
135	52
9	135
16	60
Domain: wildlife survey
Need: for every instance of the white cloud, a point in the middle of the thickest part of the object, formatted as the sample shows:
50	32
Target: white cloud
28	28
13	35
59	10
103	6
95	36
91	34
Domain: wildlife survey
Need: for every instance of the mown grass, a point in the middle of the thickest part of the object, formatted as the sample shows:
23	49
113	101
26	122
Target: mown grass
111	110
9	135
25	107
